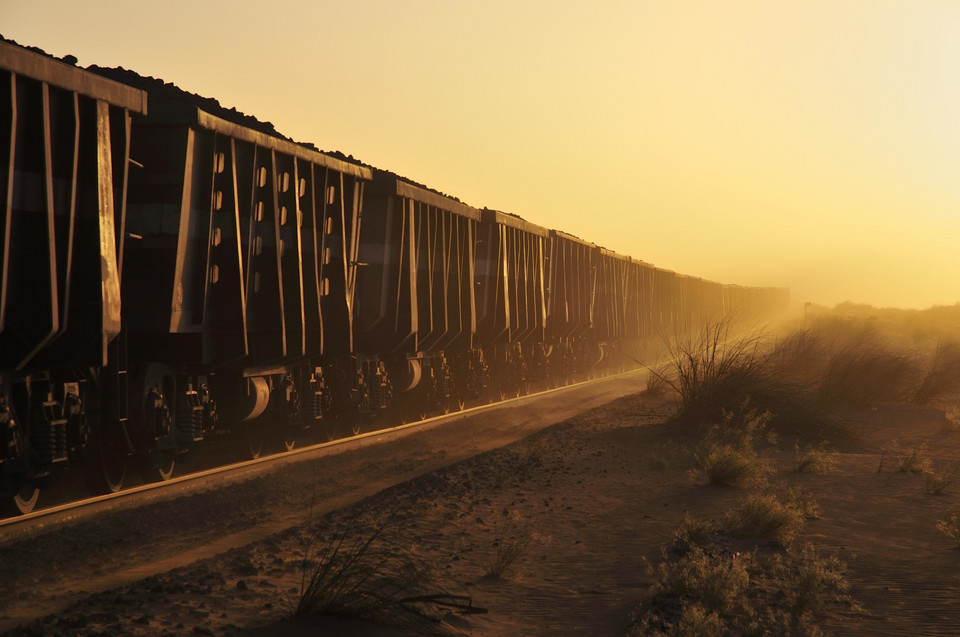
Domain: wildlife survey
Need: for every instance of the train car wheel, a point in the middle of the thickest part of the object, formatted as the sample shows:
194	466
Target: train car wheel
159	466
23	501
355	423
289	439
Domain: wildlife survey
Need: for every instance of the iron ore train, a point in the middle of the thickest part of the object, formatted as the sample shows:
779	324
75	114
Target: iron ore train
174	271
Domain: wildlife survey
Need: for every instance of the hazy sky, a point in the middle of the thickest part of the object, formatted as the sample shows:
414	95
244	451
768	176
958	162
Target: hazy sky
811	144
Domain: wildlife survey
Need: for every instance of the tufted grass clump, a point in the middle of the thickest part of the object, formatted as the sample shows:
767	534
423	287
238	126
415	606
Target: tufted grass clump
357	571
765	516
513	538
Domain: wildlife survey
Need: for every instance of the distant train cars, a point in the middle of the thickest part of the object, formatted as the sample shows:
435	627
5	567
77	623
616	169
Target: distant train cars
176	271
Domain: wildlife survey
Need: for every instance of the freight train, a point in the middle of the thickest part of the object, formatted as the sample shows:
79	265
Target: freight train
171	270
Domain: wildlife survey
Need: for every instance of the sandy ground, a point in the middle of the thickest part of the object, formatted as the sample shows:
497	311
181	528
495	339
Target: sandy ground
595	495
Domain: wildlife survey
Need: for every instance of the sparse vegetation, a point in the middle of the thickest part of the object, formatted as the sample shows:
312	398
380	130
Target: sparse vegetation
713	591
357	572
765	516
915	460
818	458
513	539
728	455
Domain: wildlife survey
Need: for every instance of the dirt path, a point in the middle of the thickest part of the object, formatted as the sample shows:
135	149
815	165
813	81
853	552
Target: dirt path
597	495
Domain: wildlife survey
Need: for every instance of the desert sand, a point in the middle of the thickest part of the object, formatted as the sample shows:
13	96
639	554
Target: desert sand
598	497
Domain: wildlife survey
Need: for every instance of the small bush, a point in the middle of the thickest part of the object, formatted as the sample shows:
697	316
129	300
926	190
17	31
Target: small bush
692	532
730	465
728	453
712	591
915	460
950	527
765	515
819	458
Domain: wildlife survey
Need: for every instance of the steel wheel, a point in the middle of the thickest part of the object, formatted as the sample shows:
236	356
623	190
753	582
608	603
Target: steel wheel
23	501
26	497
290	439
160	465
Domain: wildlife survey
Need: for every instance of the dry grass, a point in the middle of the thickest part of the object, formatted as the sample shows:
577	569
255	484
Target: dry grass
513	538
765	516
357	572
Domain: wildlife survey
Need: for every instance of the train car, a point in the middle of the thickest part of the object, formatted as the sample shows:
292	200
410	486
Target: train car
170	274
65	147
511	302
417	305
613	280
570	302
243	260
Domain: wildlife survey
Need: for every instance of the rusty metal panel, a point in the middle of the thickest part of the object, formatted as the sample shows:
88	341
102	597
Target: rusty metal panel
417	274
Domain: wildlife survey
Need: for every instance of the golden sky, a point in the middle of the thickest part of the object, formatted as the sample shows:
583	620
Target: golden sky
803	143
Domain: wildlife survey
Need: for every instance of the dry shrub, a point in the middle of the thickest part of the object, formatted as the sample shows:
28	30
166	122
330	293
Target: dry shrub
915	460
942	376
716	371
819	458
692	532
950	527
765	515
712	371
711	591
728	454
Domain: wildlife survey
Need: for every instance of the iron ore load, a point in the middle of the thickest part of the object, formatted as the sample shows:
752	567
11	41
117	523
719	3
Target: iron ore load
172	271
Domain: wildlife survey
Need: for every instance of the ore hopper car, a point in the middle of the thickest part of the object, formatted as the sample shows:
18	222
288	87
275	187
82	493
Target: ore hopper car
64	152
242	278
570	302
416	303
511	302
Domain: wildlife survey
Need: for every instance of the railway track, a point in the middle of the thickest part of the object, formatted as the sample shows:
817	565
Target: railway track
53	517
